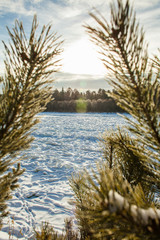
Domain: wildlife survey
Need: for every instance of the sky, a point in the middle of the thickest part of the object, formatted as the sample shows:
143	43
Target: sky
81	65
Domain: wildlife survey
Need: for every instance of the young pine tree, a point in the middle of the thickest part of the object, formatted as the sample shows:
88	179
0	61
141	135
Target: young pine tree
26	89
120	200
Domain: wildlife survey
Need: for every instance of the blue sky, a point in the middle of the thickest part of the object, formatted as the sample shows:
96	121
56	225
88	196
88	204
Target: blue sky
81	65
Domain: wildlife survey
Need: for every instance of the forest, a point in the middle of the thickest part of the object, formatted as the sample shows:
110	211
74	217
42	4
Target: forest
71	100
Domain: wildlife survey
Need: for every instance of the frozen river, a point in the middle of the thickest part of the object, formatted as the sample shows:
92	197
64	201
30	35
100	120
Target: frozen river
64	143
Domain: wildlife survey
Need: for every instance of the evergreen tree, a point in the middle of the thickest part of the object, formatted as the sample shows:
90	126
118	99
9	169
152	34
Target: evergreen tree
26	89
120	199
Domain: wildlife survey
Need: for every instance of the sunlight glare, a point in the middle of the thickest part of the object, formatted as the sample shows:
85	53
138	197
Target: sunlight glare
81	58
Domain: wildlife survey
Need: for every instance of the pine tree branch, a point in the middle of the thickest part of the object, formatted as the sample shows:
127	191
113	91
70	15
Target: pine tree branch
125	55
27	82
147	218
7	184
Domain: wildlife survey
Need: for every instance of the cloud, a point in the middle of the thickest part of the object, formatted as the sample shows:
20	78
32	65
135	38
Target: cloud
148	15
68	16
82	82
14	6
144	4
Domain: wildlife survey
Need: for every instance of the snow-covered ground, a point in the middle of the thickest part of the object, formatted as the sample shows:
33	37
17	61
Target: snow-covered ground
64	143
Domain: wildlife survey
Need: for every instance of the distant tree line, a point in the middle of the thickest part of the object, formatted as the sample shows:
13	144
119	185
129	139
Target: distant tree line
75	101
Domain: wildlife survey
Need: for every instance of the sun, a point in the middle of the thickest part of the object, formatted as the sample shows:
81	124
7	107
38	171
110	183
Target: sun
82	58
